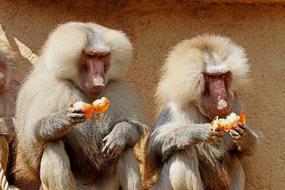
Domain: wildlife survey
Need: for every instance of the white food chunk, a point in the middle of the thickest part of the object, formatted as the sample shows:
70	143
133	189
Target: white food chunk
99	101
225	122
232	118
79	105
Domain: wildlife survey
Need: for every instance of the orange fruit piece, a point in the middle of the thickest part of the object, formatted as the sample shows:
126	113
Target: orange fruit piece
88	111
241	120
85	108
230	122
242	117
101	105
98	106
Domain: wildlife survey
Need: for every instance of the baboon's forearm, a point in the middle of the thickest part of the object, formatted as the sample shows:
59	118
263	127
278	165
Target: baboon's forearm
53	127
132	131
166	139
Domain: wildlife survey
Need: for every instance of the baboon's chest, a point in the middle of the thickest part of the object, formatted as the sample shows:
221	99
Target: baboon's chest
84	144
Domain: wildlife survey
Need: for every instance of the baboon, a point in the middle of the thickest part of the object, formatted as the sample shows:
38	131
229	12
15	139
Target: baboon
8	91
199	81
57	145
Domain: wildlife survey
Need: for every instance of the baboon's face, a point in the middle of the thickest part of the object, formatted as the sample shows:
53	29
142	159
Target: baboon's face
92	71
217	100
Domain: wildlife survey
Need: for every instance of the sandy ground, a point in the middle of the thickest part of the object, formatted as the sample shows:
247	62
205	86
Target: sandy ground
154	27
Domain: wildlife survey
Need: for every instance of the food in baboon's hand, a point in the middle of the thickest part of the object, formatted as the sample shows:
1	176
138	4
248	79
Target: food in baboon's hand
98	106
84	108
242	117
229	122
101	105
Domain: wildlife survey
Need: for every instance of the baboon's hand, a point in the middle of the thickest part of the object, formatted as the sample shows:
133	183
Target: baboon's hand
241	135
216	135
238	132
115	143
75	116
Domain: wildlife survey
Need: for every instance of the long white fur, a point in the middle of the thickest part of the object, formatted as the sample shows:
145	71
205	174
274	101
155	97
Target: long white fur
180	89
49	82
65	44
187	61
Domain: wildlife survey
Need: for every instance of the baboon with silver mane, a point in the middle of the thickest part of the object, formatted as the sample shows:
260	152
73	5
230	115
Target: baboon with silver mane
199	81
57	147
